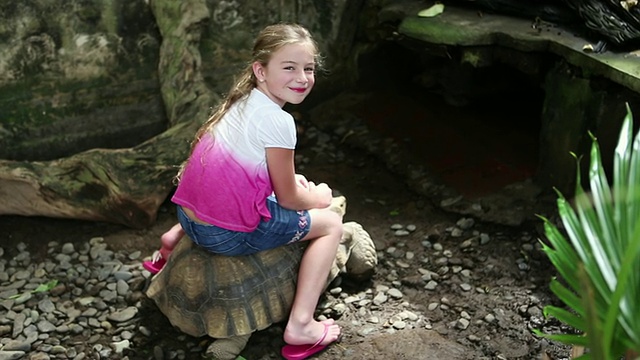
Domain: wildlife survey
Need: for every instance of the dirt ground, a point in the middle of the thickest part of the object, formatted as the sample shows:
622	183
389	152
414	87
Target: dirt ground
377	198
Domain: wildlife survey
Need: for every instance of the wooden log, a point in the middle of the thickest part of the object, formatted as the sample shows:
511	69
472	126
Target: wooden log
124	186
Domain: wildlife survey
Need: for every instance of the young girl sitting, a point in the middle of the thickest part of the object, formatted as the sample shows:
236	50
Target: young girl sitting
238	192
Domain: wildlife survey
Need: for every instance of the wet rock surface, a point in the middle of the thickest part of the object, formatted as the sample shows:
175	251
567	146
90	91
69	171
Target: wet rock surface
447	286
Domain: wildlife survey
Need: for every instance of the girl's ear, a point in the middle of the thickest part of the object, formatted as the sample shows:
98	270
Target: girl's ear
258	71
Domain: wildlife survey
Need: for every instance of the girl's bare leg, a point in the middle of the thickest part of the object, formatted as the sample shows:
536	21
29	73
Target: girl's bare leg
170	239
324	237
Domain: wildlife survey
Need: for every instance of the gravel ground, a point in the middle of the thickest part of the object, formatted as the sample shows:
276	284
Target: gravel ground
447	286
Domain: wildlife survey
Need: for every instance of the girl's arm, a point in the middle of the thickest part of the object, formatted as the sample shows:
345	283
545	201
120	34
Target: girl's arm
289	187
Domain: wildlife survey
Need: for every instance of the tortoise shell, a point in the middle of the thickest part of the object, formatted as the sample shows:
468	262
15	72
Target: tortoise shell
220	296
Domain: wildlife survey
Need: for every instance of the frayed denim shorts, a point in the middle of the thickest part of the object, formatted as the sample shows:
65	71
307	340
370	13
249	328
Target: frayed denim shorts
285	227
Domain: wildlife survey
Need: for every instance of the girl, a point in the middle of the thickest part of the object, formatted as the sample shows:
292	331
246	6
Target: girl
241	156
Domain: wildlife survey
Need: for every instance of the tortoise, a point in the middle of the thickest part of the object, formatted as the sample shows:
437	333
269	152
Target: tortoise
228	298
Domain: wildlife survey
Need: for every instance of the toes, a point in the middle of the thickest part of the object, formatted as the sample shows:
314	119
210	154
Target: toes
328	321
333	334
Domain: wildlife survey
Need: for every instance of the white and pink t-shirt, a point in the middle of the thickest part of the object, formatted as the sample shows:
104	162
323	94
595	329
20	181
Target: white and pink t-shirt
226	181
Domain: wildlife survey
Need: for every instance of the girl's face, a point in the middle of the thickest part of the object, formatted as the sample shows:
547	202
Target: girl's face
289	75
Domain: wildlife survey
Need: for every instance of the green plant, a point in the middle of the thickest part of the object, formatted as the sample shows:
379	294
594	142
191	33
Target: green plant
41	288
600	261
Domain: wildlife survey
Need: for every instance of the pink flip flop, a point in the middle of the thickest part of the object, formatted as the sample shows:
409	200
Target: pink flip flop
301	352
156	264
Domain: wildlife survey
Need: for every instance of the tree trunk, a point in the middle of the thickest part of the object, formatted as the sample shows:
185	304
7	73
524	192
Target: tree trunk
124	186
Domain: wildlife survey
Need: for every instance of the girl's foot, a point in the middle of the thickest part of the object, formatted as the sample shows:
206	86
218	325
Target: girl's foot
169	241
328	321
156	263
311	332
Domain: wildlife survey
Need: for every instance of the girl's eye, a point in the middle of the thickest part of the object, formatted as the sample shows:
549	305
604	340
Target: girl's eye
309	69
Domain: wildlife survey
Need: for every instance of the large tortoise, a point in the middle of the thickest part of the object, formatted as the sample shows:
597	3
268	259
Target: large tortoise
228	298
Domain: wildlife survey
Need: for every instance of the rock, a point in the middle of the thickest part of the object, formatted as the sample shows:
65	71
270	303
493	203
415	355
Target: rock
11	355
123	315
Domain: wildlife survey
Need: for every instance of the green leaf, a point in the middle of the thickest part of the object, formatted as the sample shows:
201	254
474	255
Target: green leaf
434	10
603	204
581	233
571	300
624	294
565	316
598	347
570	339
633	192
564	256
45	287
622	168
41	288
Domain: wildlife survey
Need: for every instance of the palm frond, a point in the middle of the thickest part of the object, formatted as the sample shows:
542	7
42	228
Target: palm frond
599	259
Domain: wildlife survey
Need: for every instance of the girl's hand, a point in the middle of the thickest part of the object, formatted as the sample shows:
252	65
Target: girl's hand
324	193
302	181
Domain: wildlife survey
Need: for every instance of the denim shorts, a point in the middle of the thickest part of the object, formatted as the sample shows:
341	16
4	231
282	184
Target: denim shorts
285	227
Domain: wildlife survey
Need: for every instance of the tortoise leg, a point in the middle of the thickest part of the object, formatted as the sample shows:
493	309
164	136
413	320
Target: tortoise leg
363	258
228	348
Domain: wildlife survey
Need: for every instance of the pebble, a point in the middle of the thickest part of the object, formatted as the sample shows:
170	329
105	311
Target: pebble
380	298
399	325
484	239
457	232
450	201
366	330
11	355
465	223
489	318
462	324
401	233
431	285
395	293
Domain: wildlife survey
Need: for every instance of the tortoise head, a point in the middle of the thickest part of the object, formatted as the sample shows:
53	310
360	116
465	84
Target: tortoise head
339	205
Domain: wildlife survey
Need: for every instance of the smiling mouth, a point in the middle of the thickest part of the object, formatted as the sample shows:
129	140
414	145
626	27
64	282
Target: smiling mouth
300	90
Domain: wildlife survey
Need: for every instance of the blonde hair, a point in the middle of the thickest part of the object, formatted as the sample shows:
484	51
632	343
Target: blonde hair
268	41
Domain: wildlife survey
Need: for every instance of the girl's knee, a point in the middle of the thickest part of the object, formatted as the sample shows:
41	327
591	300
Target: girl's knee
326	221
335	223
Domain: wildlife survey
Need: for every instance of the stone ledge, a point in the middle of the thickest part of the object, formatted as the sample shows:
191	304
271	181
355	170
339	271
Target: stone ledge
464	27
